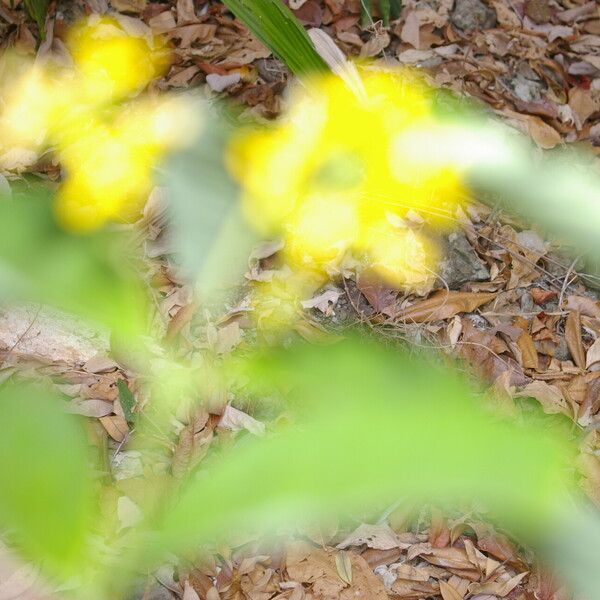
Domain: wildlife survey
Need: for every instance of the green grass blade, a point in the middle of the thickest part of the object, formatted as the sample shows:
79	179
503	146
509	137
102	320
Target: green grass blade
37	11
277	28
384	9
395	9
366	10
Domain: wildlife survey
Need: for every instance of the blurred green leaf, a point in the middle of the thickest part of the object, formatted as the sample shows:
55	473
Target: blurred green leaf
277	28
375	426
45	479
210	235
126	399
90	275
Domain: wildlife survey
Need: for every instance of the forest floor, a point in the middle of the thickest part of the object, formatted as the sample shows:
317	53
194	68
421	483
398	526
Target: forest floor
518	310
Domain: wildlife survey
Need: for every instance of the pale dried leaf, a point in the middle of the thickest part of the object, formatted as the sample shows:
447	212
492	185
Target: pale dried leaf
236	420
444	305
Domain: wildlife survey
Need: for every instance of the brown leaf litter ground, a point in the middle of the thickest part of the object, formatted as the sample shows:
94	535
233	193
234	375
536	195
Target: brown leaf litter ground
518	310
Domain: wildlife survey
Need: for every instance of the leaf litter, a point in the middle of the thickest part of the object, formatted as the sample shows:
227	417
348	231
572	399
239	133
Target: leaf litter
517	313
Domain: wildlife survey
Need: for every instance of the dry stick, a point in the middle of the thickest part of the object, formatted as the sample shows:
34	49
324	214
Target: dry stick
565	284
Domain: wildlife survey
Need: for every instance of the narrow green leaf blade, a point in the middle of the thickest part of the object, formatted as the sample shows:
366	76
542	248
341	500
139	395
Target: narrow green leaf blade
277	28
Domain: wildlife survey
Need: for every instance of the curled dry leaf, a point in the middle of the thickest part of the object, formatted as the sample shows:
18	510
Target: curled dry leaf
544	135
379	537
529	355
236	420
449	592
573	338
586	306
444	305
549	396
593	354
116	427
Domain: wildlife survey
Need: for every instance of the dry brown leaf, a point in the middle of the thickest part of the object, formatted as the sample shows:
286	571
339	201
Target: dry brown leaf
134	6
448	592
228	338
186	12
549	396
411	30
375	45
116	427
94	407
573	338
439	533
317	567
497	588
444	305
586	306
162	22
344	566
544	135
582	104
379	537
593	354
529	355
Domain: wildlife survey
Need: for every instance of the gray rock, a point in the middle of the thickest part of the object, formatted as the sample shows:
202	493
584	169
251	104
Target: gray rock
468	15
461	263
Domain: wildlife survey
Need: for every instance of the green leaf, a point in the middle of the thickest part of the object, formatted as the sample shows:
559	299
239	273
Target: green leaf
127	400
373	425
277	28
211	237
45	479
366	10
37	11
84	274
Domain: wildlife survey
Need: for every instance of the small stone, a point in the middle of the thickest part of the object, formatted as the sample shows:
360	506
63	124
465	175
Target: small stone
468	15
461	263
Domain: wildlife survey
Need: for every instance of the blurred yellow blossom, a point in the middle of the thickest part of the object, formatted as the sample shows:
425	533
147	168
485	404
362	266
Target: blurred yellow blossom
330	177
106	137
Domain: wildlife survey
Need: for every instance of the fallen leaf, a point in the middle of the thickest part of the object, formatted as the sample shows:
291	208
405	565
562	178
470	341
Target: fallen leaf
593	354
549	396
116	427
444	305
219	83
379	537
529	355
448	592
93	407
573	338
344	566
544	135
236	420
189	593
228	338
375	45
134	6
586	306
410	32
324	301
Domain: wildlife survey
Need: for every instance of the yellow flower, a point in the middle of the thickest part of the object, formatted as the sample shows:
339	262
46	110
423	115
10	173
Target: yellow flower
330	176
107	140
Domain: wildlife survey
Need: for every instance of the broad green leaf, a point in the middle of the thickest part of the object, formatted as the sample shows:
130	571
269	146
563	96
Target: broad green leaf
277	28
90	275
45	504
373	426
